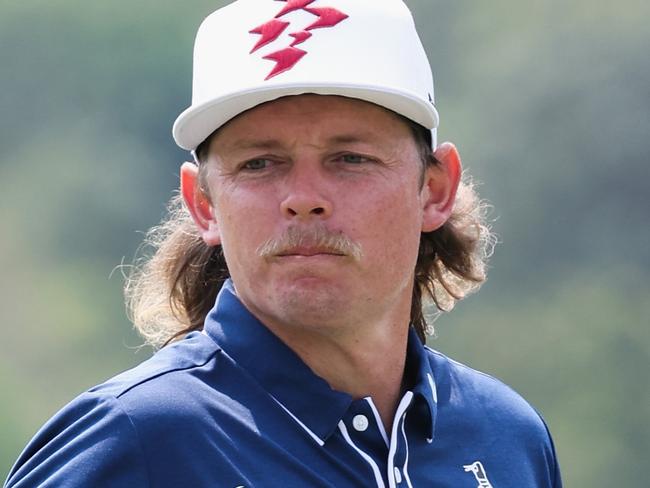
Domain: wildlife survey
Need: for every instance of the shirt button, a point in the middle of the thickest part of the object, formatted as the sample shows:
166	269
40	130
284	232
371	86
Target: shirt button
360	422
398	475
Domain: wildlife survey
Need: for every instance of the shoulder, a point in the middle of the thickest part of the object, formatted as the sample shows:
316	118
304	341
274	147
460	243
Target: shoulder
172	389
96	439
483	418
193	352
486	402
90	440
465	383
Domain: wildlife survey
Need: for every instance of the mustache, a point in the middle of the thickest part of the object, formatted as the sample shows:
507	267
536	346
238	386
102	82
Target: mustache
314	237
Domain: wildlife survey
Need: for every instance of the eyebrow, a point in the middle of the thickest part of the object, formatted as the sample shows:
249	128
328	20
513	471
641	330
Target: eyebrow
267	144
243	144
351	139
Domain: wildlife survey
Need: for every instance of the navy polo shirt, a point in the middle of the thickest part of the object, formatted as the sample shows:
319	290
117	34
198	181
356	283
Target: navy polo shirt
233	406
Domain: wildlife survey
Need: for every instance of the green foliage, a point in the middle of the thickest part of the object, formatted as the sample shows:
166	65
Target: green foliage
548	102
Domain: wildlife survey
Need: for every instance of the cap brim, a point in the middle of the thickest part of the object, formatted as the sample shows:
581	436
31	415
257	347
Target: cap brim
197	122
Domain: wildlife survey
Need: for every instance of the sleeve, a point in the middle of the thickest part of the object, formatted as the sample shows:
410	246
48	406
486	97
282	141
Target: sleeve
90	442
555	474
549	475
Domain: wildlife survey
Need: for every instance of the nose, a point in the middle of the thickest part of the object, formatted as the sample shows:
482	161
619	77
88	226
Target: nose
306	195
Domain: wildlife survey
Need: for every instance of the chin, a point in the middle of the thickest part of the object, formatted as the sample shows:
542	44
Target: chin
311	302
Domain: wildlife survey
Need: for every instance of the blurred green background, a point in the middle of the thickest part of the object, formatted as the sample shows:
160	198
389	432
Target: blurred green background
548	102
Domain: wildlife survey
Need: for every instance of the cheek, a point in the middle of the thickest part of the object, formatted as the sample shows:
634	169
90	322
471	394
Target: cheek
244	219
393	225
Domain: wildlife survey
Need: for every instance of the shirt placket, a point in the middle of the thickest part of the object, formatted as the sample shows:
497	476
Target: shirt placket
363	430
386	453
397	465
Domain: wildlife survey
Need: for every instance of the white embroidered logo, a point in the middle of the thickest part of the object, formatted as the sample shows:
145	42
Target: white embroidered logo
479	473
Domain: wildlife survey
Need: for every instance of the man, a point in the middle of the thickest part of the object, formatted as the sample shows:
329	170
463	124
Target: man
288	286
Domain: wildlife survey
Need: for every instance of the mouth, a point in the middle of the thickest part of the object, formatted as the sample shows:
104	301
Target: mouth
304	251
310	244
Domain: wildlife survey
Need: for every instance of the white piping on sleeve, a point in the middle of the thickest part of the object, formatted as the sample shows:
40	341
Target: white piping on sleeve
401	408
368	459
380	424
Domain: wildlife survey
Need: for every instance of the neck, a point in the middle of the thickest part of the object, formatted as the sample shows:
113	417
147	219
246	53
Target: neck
365	362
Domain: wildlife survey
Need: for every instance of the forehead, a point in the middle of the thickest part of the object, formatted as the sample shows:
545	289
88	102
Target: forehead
313	116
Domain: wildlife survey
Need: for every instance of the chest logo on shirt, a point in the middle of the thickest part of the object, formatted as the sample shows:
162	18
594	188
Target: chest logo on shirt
479	473
288	57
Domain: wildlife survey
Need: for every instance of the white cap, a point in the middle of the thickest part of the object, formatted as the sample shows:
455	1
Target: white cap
255	51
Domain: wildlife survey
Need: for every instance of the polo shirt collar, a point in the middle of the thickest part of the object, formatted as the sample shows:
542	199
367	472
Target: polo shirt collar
275	366
281	372
424	385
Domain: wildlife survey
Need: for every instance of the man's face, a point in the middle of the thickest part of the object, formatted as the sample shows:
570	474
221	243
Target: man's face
319	209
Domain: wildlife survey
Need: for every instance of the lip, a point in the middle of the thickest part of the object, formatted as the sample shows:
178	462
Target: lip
308	252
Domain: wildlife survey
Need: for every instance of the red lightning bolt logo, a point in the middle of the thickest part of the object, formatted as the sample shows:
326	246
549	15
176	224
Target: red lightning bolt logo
293	5
327	17
269	31
286	58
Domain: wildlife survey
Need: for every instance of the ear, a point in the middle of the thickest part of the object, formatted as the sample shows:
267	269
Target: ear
199	205
440	185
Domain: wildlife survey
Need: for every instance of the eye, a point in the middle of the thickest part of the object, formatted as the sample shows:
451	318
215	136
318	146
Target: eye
256	164
351	158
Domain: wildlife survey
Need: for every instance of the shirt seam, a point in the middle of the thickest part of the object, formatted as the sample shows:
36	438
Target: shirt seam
137	437
485	375
154	376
